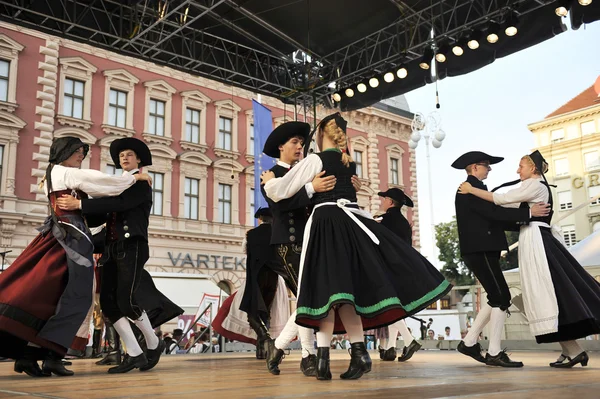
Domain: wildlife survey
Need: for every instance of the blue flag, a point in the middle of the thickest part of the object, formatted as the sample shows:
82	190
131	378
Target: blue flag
263	126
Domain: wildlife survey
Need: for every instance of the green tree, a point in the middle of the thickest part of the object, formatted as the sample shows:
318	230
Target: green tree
454	270
510	261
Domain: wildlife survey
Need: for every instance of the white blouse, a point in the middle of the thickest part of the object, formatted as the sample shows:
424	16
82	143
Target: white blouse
92	182
299	176
531	191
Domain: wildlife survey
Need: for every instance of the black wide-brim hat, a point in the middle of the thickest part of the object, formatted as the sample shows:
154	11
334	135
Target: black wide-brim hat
62	148
397	195
129	143
282	134
262	212
474	157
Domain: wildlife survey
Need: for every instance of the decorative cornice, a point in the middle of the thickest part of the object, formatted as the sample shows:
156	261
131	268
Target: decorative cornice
74	122
226	153
153	138
187	145
119	131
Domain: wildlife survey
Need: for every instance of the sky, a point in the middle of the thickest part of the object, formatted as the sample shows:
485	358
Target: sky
489	110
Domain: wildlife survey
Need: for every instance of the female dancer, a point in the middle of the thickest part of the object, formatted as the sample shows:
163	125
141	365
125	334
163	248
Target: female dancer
561	299
46	293
353	270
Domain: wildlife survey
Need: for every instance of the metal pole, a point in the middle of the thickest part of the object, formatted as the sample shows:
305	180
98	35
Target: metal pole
433	246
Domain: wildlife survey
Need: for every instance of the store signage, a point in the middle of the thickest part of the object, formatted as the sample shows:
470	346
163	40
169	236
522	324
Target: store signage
205	261
592	180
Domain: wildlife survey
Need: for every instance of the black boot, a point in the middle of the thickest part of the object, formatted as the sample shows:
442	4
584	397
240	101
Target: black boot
53	364
96	343
28	363
409	351
130	363
360	362
262	335
387	355
308	366
153	356
114	348
260	350
323	372
274	357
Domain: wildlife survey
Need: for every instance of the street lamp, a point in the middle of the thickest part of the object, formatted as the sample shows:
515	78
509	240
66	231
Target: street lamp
428	128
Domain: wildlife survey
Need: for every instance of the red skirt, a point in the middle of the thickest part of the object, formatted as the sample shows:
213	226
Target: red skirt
30	290
221	315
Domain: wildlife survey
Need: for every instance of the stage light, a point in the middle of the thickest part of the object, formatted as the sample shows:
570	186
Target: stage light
337	97
426	60
349	92
388	77
492	32
442	52
402	73
585	2
459	47
373	82
511	24
361	87
473	42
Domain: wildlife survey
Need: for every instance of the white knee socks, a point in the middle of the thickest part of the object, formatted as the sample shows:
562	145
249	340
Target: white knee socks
497	319
291	331
403	329
326	330
126	333
480	321
143	323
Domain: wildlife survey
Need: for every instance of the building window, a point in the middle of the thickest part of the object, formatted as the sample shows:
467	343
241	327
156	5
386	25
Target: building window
565	200
561	167
359	163
445	303
224	203
4	73
433	306
594	191
156	118
224	134
596	227
192	125
588	127
191	198
395	179
252	210
74	97
592	162
557	135
157	193
569	235
110	170
117	108
251	145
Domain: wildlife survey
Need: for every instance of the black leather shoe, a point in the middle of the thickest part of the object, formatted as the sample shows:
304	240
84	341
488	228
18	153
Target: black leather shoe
561	359
274	357
30	367
112	359
360	362
582	358
130	363
472	351
153	356
308	366
409	351
260	350
501	360
323	372
387	355
56	367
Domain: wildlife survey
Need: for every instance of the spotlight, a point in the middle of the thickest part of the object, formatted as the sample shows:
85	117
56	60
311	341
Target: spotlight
361	87
474	39
349	92
511	24
459	47
426	60
402	73
585	2
492	32
562	8
337	97
442	51
373	82
388	77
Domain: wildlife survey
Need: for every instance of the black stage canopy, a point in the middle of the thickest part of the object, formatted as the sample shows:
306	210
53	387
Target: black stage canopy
308	51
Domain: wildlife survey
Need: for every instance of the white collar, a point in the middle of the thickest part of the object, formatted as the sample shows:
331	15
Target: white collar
285	165
131	172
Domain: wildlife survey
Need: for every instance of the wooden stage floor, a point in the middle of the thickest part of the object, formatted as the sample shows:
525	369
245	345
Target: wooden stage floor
429	374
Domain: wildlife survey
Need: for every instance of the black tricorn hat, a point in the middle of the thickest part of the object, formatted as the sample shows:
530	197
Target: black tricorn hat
539	161
282	134
129	143
262	212
397	195
472	157
62	148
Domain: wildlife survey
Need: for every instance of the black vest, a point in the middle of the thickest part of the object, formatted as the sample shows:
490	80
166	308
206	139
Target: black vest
333	166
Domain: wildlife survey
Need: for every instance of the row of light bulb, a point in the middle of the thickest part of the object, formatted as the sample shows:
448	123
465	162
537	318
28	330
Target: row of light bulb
563	7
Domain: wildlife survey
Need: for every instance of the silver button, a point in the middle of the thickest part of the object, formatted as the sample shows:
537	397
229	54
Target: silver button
292	238
127	235
292	230
291	221
291	213
125	228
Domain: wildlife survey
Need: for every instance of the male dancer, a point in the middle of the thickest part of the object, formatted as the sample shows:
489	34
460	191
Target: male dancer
393	201
481	238
124	257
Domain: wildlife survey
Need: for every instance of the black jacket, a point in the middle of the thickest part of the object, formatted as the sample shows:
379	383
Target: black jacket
289	215
481	224
394	220
132	210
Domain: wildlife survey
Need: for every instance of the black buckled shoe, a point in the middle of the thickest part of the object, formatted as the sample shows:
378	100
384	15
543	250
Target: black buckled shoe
260	349
582	358
323	372
471	351
30	367
112	359
501	360
153	356
409	351
360	362
274	357
308	366
387	355
129	363
56	367
561	359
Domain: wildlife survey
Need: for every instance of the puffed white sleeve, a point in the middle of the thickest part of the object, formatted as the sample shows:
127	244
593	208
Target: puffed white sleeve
304	172
96	183
527	192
